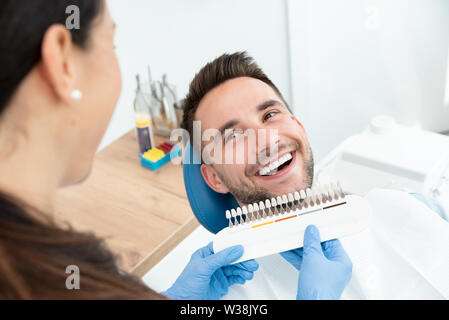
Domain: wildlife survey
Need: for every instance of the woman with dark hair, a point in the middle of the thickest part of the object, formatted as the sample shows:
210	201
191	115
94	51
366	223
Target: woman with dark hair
58	89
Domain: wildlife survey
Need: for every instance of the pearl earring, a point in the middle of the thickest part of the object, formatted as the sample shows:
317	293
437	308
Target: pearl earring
77	95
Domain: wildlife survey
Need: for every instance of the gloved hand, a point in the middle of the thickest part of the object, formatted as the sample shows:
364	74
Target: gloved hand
325	268
208	276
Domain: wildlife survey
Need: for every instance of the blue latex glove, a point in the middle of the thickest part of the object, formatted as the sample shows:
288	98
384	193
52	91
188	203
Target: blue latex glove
208	276
325	268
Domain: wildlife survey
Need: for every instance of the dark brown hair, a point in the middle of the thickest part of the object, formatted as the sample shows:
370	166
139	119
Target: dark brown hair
215	73
35	252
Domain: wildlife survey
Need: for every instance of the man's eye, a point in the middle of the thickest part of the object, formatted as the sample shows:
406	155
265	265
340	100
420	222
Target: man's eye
269	115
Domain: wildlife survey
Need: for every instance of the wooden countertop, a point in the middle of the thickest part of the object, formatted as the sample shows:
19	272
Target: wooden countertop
142	214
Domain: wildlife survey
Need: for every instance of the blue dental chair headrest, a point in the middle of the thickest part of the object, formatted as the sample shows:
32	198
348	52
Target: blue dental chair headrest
208	206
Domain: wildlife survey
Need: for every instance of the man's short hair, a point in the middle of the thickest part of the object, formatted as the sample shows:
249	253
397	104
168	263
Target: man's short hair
215	73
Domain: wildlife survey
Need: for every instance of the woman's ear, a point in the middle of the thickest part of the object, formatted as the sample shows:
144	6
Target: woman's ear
212	179
57	66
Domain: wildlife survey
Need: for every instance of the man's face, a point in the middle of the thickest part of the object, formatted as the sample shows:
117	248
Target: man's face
278	161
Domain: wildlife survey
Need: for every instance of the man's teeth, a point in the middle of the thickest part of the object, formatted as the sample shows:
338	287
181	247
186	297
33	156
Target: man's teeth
271	169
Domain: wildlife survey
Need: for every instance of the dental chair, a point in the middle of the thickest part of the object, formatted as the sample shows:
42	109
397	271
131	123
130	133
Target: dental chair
208	206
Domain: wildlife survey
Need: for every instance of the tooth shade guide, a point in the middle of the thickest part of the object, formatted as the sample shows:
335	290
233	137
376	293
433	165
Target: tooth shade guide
276	205
256	211
251	212
262	209
258	223
281	206
328	193
228	216
316	191
234	214
335	219
310	200
245	214
299	214
304	203
262	224
340	189
290	198
284	203
297	199
335	205
268	206
331	193
273	205
310	211
239	214
291	217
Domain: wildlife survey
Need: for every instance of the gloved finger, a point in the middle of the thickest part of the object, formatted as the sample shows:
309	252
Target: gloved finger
233	271
250	265
236	279
312	242
220	282
218	288
224	257
293	257
247	275
333	250
204	251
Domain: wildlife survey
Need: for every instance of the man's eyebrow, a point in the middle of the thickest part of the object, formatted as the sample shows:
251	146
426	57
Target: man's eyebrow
269	103
227	125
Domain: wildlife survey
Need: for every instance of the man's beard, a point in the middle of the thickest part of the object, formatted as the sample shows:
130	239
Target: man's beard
246	193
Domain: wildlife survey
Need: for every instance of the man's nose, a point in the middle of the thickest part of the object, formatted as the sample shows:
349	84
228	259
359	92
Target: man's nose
267	144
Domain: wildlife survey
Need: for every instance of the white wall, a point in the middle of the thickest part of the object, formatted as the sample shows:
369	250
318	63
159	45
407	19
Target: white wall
179	36
354	59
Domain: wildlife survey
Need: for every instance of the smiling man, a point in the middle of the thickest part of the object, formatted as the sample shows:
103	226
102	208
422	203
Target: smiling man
236	89
259	150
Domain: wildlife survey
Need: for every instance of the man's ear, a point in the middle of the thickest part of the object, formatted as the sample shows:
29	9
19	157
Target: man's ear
57	67
213	180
